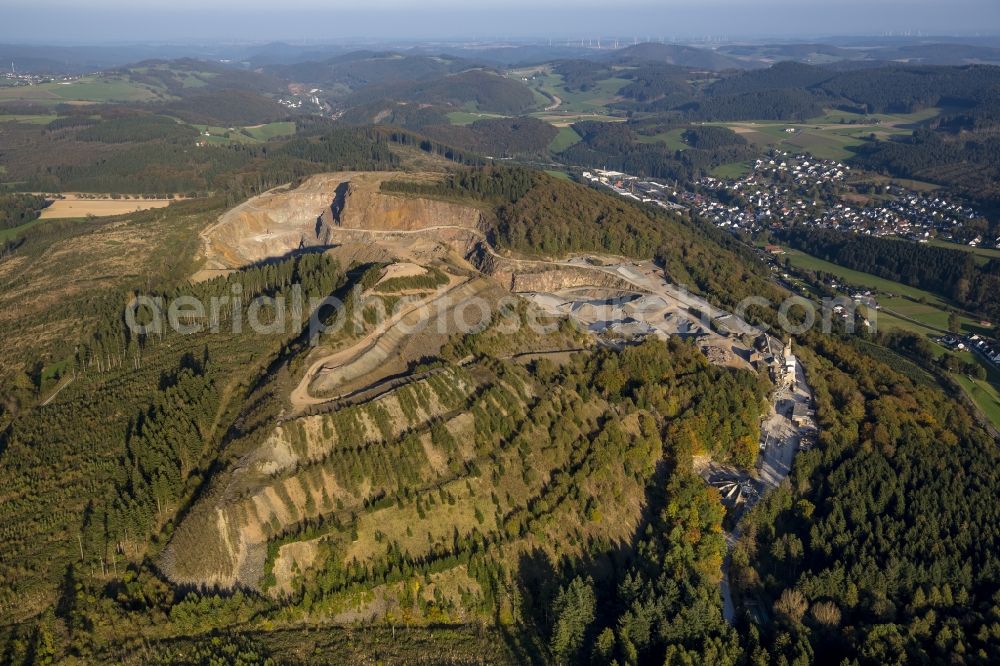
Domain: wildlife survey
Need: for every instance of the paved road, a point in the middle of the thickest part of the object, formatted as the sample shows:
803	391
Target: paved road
781	433
782	437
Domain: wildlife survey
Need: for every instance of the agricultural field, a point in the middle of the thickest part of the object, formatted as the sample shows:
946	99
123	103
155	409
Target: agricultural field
732	170
673	139
187	78
469	117
834	116
808	262
271	130
566	119
215	135
562	175
927	318
77	207
931	315
985	394
595	100
983	254
566	137
85	90
827	137
29	119
929	311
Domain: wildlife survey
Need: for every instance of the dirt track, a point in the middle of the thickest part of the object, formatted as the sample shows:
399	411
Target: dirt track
300	396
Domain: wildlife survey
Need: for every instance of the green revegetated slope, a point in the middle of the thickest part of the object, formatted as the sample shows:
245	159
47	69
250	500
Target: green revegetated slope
479	492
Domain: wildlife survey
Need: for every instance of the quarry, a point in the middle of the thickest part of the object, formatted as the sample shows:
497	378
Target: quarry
364	391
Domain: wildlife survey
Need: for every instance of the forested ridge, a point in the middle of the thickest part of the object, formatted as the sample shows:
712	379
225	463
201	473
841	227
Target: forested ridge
132	433
964	160
618	146
507	497
789	90
169	393
498	137
144	154
481	89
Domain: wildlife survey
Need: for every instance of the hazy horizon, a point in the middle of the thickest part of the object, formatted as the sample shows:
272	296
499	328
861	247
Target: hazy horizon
118	22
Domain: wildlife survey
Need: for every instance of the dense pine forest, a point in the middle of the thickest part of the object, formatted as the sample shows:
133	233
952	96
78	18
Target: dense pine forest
619	146
17	209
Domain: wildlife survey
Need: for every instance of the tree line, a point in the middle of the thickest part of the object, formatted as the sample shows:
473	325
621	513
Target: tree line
17	209
953	274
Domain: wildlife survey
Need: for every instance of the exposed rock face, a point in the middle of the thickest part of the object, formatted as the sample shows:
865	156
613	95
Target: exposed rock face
566	278
319	213
270	225
364	207
520	275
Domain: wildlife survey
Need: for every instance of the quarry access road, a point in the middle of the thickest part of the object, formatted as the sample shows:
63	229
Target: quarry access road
626	270
300	396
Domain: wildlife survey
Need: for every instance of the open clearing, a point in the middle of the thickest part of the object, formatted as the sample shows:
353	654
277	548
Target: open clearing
927	309
217	135
731	170
565	120
673	138
469	117
27	119
827	137
984	394
271	130
983	254
566	138
74	207
90	89
800	259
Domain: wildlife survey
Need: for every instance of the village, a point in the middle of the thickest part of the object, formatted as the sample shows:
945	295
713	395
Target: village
988	349
784	190
16	78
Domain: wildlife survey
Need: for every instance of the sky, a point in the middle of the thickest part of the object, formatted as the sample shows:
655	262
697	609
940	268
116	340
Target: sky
129	21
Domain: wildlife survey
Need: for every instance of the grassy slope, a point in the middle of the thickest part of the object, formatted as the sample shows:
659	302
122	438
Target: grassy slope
928	319
91	89
825	137
7	234
983	254
673	139
566	137
731	170
271	130
31	120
